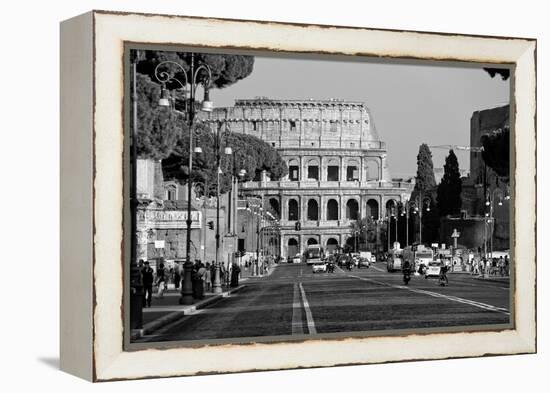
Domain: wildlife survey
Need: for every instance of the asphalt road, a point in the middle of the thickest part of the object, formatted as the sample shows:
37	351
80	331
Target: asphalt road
294	301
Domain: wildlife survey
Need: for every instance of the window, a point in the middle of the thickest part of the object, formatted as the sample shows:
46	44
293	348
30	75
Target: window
293	173
171	193
333	127
352	173
255	125
313	172
333	173
292	125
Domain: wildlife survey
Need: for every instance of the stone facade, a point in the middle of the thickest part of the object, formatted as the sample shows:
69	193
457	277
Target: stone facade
337	164
161	220
483	183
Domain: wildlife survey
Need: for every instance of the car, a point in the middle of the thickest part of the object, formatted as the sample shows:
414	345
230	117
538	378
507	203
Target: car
433	269
319	267
297	258
363	262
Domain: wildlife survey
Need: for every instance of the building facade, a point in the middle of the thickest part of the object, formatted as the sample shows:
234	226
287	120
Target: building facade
338	170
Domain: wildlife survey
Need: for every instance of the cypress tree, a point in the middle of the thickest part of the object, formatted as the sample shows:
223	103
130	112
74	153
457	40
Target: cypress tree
450	188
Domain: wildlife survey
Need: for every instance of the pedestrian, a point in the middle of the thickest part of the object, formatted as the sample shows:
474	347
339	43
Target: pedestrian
235	275
208	277
222	273
161	280
483	265
147	276
201	272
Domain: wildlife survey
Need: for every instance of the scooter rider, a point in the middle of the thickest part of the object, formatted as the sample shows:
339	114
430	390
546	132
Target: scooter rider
406	272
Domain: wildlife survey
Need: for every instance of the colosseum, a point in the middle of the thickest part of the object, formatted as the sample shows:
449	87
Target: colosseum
338	169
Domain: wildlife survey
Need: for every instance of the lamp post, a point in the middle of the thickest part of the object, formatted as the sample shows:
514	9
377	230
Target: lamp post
489	217
197	77
418	204
136	296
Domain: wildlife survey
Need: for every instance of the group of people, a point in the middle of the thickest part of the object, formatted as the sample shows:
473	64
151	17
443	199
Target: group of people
491	267
202	278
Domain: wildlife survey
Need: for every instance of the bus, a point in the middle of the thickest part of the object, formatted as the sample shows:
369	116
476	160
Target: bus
314	254
418	256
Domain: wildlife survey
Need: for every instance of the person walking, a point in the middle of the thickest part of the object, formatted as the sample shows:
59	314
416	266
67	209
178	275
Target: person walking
235	271
208	277
148	279
161	280
201	272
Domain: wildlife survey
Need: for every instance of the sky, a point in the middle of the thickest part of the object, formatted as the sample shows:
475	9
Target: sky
410	103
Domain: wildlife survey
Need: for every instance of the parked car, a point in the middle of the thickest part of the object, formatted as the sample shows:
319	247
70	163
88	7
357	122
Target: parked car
297	258
319	267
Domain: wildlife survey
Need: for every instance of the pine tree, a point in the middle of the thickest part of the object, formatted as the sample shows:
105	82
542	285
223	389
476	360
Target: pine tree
450	188
425	178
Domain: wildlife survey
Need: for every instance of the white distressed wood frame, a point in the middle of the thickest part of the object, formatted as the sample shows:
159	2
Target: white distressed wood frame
91	194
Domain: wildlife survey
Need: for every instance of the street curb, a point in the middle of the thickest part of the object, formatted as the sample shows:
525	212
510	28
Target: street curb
173	316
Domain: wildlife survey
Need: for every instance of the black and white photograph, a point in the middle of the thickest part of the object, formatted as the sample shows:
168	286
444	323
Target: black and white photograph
280	196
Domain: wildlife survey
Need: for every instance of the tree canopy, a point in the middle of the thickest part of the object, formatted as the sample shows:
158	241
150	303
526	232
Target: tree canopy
425	178
249	153
450	188
226	69
158	128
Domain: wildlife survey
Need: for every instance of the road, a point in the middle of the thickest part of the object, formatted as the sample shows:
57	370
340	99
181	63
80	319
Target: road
294	301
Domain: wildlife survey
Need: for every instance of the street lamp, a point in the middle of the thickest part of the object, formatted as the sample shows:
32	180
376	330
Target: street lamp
489	217
418	207
202	75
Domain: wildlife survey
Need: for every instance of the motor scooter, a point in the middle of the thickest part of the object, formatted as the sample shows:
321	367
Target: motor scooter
406	276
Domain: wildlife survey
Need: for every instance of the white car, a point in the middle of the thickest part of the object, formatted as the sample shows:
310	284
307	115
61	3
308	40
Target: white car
297	259
319	267
433	269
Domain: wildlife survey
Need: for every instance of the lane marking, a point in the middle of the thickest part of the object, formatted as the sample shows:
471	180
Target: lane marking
309	317
439	295
297	325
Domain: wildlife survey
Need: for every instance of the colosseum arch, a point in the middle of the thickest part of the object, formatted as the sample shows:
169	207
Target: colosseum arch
332	210
312	210
373	209
312	240
391	207
293	169
333	170
293	247
332	244
293	210
275	207
373	171
352	170
352	209
312	166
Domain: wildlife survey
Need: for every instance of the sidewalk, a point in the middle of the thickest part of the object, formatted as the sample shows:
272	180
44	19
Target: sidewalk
493	278
167	309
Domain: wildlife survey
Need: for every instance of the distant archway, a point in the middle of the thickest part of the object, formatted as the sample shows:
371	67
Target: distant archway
332	244
352	210
372	205
312	210
332	210
292	247
311	241
293	210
